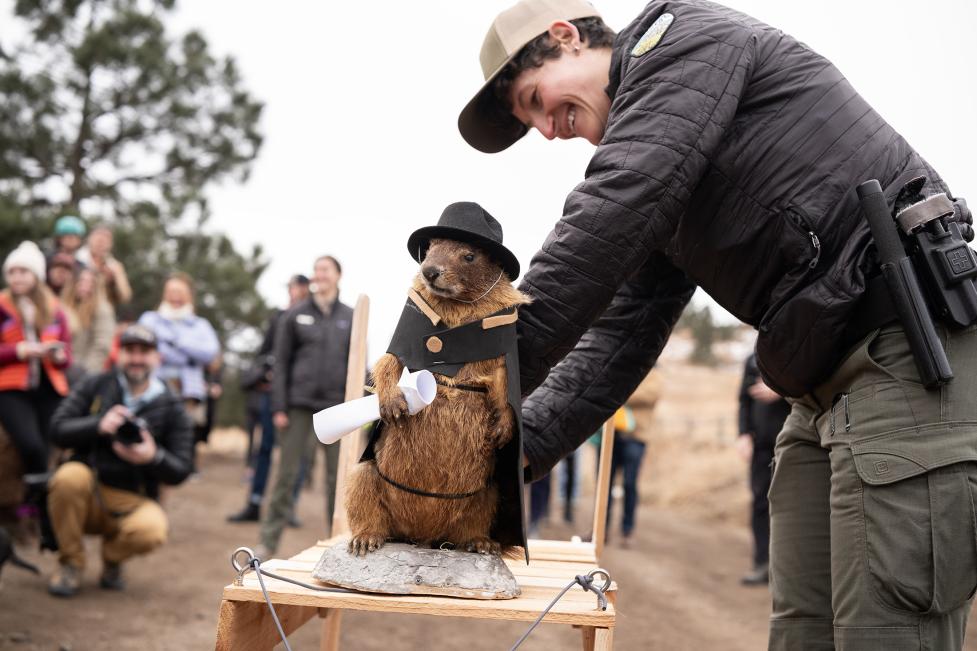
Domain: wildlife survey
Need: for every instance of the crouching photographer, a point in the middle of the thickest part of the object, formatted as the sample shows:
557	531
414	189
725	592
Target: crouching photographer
129	434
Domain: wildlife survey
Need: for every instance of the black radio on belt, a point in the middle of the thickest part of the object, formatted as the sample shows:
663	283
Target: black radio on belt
942	258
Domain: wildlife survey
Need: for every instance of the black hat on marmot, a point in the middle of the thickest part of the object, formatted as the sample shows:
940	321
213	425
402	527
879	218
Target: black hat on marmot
468	222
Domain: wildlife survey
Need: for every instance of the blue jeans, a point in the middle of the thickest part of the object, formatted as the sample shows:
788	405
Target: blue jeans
627	455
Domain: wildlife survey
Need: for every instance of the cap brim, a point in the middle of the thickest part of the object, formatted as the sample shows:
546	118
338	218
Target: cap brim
138	342
479	131
420	240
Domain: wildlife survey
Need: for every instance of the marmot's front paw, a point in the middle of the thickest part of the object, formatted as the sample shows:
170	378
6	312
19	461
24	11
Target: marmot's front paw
365	543
393	408
482	546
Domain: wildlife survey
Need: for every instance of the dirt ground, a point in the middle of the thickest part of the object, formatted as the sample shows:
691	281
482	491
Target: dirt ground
669	598
679	583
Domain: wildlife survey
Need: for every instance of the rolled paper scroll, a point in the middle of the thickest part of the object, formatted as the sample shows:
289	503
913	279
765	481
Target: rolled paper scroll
334	423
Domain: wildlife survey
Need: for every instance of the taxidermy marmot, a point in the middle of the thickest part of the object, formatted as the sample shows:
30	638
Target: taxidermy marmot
431	478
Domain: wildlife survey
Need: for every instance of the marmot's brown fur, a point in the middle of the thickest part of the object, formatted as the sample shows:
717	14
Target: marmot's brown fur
448	447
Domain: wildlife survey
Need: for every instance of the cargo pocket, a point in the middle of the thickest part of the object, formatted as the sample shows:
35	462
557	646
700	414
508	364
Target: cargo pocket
918	491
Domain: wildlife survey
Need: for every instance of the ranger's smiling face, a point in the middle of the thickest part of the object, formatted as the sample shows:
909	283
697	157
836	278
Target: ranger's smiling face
565	97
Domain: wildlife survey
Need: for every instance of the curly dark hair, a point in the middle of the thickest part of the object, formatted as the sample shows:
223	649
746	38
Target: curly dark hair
494	103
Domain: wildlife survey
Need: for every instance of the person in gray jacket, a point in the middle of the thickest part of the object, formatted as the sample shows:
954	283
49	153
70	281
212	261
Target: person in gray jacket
311	351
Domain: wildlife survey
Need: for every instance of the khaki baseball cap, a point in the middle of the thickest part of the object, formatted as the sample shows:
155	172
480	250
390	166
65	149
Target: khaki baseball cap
510	31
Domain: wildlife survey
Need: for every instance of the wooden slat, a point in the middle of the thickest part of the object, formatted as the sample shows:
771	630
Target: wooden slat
331	623
351	444
603	487
520	609
538	586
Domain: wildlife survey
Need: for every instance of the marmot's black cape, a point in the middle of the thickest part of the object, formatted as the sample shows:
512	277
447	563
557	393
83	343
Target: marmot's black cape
470	342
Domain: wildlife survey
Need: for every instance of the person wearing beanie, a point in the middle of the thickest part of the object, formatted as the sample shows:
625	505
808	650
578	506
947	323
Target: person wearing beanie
35	348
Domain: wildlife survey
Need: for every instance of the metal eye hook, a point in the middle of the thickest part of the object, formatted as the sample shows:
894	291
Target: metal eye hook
586	582
604	573
243	569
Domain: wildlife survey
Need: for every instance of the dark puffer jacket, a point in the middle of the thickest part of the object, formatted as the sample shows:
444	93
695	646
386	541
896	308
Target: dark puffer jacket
731	153
75	425
311	355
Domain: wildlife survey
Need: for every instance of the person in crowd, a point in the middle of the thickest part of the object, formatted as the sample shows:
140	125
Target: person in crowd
69	233
728	155
97	254
213	374
127	315
539	504
626	458
91	320
187	344
129	434
257	382
762	414
35	350
569	482
311	354
61	270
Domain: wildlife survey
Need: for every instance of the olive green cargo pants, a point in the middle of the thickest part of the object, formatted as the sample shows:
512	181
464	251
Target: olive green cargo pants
873	527
298	443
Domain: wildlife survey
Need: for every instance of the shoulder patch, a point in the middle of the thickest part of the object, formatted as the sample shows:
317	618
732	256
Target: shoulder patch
653	35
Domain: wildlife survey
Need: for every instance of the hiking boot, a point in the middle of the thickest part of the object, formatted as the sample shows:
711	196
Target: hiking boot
65	582
112	577
250	513
759	576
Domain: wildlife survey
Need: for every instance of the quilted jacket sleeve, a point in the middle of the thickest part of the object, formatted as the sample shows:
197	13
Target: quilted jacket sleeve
605	367
671	108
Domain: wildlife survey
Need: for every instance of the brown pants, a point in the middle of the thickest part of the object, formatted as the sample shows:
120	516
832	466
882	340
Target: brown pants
76	509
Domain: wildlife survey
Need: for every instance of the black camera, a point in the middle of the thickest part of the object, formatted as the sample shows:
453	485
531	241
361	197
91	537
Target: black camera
130	432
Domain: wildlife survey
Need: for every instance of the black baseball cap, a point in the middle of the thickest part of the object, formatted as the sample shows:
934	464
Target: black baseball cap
138	335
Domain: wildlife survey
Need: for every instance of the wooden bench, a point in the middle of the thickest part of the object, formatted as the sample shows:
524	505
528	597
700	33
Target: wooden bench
245	623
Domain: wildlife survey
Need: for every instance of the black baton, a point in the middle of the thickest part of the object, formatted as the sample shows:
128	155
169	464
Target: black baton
907	297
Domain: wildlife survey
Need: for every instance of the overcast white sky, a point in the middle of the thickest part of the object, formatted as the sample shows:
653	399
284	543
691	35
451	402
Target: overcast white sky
362	100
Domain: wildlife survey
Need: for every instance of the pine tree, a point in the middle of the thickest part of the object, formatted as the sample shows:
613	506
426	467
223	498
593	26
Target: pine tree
104	113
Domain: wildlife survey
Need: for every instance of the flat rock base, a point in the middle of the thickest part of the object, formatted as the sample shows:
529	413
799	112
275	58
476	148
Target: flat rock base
398	568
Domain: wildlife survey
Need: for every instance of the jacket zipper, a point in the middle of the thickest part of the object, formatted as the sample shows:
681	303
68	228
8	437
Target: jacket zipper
801	223
798	222
817	250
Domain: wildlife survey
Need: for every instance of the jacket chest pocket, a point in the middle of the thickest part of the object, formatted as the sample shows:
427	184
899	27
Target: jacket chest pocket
307	329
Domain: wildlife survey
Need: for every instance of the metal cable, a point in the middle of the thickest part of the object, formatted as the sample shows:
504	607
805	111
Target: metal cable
257	568
585	581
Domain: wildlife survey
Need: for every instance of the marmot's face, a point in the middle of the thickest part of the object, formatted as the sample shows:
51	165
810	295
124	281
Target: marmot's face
458	271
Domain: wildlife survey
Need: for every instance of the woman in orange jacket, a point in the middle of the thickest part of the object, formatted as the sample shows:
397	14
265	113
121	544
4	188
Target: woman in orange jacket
35	348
